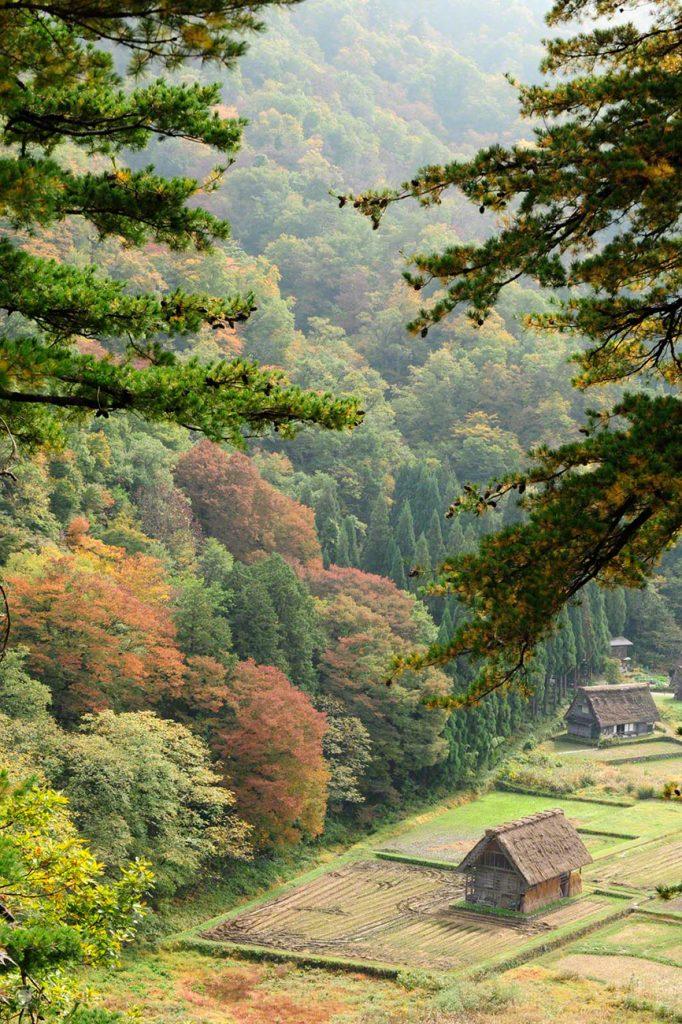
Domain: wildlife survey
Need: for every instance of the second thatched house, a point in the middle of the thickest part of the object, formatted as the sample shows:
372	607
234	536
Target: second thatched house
525	864
597	712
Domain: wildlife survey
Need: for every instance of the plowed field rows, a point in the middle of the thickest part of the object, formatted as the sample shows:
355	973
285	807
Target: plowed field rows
641	868
392	913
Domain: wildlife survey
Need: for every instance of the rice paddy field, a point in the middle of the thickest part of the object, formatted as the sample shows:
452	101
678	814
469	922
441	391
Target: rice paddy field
402	914
449	835
396	914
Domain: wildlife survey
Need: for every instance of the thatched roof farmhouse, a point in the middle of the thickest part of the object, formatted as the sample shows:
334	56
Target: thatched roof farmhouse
525	864
600	711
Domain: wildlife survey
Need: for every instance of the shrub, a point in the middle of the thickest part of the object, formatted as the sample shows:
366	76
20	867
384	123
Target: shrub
415	978
539	772
482	996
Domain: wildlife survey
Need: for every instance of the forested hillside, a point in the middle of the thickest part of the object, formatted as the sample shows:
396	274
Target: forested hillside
200	636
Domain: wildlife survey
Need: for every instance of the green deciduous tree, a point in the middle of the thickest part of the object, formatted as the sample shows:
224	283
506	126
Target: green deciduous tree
142	786
59	911
592	203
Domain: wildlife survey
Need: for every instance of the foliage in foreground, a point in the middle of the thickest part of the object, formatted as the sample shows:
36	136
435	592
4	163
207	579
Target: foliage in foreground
57	910
594	204
76	341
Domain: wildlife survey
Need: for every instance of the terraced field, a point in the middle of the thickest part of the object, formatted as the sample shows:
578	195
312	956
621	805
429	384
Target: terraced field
639	935
632	751
401	914
447	836
640	954
379	911
642	867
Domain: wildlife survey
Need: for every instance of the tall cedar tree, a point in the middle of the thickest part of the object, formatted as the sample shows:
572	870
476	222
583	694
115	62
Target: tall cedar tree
592	204
60	90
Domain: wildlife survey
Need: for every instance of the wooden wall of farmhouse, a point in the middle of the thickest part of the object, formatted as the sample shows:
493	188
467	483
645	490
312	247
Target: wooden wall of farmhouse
538	895
575	883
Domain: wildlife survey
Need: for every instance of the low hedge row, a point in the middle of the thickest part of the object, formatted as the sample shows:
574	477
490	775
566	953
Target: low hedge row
261	954
614	802
408	858
608	835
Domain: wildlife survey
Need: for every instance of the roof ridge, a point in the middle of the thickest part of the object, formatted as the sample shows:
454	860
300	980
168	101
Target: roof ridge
530	819
614	687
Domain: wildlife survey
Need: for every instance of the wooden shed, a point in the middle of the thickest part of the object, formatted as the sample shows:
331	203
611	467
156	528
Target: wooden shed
601	711
620	648
525	864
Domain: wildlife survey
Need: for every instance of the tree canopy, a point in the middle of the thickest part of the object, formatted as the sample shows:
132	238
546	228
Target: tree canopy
58	908
591	205
74	340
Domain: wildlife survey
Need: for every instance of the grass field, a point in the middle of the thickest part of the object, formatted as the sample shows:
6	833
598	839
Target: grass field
446	836
670	709
189	988
639	955
638	935
633	776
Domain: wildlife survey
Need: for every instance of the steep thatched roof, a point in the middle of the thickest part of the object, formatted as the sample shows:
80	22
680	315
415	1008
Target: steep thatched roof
621	641
617	705
541	846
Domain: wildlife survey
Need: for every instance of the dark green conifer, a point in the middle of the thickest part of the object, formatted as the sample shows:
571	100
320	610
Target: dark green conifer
350	531
404	532
255	628
397	566
375	557
434	537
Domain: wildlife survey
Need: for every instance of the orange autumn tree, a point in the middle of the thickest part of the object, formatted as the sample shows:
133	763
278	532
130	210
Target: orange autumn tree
267	737
248	515
97	624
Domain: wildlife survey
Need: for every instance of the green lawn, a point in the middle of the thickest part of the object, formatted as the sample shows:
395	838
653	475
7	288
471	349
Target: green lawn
671	709
646	818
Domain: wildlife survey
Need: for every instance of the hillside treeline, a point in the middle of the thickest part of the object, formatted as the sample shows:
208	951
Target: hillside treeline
200	637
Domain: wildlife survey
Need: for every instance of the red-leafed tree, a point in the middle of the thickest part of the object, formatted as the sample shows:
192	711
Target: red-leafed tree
368	619
248	515
268	739
397	609
98	626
